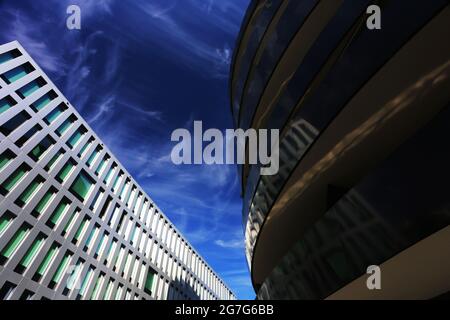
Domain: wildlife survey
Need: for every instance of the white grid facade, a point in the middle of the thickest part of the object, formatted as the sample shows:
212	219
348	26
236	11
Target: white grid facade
73	223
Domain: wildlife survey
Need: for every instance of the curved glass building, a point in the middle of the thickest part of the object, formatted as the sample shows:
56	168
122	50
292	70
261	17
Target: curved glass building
364	116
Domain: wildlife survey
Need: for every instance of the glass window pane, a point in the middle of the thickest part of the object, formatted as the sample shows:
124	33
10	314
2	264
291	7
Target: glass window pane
47	260
17	73
41	148
5	57
80	230
86	280
85	147
70	221
15	122
27	136
6	103
65	125
65	171
14	243
31	252
44	202
55	113
56	216
13	179
82	185
73	140
29	191
6	157
31	87
54	159
93	156
5	221
61	268
149	281
43	101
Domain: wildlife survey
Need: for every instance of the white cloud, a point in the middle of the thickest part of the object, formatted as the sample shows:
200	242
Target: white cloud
102	109
38	49
232	244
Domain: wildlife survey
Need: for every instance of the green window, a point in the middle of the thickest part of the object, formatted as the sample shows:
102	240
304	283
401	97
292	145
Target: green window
71	281
68	225
43	203
85	147
6	103
15	122
32	251
110	171
54	159
27	136
7	56
43	101
90	238
17	73
65	125
82	185
93	156
65	171
31	87
118	258
85	282
109	252
6	157
41	148
57	215
73	140
55	113
80	230
15	242
97	286
101	165
133	233
100	244
13	179
29	191
61	269
5	221
149	281
124	187
116	181
46	261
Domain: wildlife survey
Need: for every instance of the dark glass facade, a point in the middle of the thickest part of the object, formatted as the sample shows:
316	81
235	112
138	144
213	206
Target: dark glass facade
305	67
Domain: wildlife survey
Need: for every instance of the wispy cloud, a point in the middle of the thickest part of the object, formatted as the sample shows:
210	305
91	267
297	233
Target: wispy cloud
19	30
180	32
234	244
103	109
151	114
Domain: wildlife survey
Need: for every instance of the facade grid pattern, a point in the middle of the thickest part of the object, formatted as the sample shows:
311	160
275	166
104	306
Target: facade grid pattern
73	223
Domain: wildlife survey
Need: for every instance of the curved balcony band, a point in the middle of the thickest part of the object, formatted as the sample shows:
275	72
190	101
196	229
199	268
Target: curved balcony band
289	35
303	99
292	16
317	56
257	19
389	211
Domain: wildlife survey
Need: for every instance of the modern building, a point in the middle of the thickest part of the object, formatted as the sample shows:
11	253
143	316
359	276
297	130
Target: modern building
73	223
364	116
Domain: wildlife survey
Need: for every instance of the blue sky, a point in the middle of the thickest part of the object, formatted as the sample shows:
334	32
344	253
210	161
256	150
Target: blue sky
136	71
